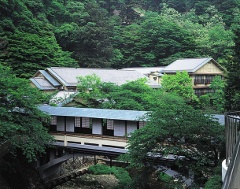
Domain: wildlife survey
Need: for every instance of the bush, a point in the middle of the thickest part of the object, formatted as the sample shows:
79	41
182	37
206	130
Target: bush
100	169
163	177
121	174
215	182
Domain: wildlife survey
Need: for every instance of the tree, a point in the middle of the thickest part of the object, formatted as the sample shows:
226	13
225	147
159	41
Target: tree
179	84
134	95
90	90
27	52
87	34
20	119
176	128
232	92
218	96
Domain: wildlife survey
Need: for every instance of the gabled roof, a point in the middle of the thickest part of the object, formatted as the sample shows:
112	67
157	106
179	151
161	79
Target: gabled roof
130	115
189	64
68	76
42	83
53	81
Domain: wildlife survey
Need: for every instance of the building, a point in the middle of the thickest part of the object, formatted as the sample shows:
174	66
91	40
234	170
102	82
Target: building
153	73
93	127
201	70
65	79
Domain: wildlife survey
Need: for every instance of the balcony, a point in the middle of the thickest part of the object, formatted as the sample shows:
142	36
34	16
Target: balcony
231	165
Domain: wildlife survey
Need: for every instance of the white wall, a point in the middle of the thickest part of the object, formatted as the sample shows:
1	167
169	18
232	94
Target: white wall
70	124
119	128
131	127
97	126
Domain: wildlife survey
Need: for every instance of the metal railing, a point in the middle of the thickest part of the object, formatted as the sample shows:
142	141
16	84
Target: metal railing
232	124
232	128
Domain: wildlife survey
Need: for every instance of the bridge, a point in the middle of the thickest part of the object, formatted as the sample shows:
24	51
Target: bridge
88	131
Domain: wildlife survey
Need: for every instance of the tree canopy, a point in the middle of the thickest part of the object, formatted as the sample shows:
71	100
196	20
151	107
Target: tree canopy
20	119
180	84
134	95
176	128
39	34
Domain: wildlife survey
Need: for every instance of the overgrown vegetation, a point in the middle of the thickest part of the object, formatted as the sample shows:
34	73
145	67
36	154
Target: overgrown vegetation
39	34
121	174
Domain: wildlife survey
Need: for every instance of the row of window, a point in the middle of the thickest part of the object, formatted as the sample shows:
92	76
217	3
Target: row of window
203	79
84	122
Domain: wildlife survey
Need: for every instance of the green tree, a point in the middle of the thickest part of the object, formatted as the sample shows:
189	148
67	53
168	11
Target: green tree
218	96
179	84
20	119
176	128
27	52
86	34
90	90
233	78
134	95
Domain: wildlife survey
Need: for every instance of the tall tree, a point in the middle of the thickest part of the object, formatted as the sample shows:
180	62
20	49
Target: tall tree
218	96
176	128
233	78
20	119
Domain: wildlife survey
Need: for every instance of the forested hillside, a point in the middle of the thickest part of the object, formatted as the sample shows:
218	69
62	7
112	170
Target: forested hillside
35	34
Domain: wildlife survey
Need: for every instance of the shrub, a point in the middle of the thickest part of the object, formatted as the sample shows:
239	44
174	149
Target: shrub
100	169
121	174
215	182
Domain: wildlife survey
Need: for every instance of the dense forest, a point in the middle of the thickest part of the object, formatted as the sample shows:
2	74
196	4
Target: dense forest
110	33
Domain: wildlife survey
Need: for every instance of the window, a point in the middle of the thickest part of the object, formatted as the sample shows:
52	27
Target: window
77	122
110	124
86	122
199	79
209	79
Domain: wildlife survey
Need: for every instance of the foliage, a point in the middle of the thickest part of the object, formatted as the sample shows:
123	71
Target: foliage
100	169
179	84
169	181
20	119
232	93
134	95
89	87
39	34
176	128
218	86
120	173
204	101
215	182
164	177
